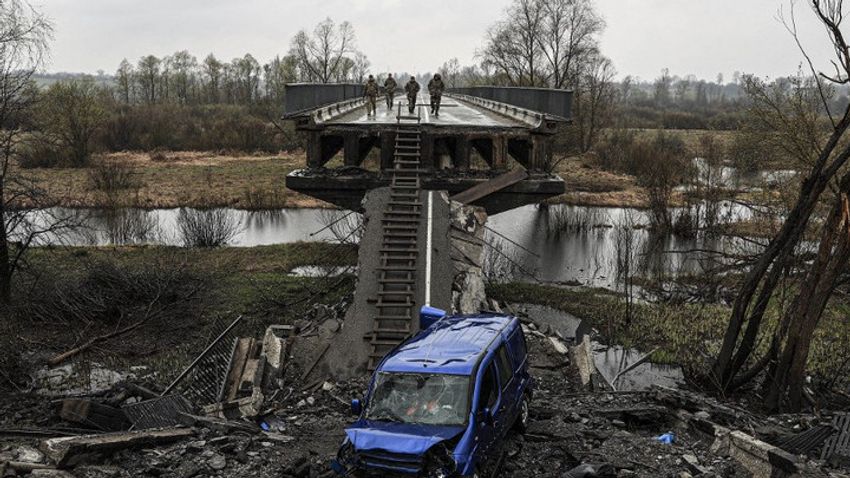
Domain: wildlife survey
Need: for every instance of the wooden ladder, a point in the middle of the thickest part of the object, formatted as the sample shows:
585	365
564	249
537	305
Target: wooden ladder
399	249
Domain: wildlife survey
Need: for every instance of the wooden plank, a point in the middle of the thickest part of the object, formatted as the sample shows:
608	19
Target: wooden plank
93	415
63	451
237	366
480	191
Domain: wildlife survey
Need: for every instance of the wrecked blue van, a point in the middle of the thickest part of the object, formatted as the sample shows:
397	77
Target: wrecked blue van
440	404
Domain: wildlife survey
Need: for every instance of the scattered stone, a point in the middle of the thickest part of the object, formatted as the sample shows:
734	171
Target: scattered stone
217	462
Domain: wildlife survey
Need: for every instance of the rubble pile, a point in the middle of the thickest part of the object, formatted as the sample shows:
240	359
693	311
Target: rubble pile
296	428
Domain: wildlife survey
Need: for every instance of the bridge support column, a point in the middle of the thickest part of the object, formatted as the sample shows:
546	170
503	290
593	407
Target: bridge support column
426	145
352	150
320	149
357	148
461	153
500	153
539	153
387	149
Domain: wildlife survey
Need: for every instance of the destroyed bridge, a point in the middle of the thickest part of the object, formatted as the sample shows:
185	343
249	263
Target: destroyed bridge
425	194
481	133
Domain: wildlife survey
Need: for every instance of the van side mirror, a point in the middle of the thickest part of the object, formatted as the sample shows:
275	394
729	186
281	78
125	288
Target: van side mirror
356	407
428	316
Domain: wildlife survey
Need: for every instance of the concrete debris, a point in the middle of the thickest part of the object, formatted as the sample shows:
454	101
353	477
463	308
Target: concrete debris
70	451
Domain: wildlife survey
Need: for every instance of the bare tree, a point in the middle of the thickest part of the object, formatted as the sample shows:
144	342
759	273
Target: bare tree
148	73
569	38
513	45
825	154
24	37
595	97
322	54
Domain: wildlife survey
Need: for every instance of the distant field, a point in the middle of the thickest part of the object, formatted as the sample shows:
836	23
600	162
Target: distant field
206	179
191	179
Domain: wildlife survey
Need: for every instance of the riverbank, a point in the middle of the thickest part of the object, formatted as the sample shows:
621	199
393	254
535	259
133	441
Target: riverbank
680	333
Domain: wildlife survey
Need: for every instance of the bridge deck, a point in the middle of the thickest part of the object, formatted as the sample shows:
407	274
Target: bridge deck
453	112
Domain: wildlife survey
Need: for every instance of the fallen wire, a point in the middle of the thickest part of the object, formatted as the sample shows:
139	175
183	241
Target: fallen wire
515	263
334	223
512	241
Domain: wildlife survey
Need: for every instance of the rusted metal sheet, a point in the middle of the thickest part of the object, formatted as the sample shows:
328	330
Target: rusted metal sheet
494	185
303	97
553	102
807	441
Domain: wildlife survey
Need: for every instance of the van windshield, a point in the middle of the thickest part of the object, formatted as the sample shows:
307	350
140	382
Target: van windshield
425	399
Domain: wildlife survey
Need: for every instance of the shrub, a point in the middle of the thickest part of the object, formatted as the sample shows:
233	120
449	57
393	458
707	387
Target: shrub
207	227
41	153
111	177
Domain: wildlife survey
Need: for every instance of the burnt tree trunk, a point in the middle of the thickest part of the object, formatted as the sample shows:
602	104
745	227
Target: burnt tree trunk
787	376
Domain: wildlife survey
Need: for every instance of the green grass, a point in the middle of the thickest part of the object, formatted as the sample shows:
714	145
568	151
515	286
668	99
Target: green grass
686	334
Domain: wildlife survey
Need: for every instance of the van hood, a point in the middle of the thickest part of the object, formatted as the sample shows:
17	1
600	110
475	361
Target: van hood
402	438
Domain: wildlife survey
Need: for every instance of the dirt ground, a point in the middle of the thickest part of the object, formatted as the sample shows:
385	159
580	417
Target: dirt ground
208	179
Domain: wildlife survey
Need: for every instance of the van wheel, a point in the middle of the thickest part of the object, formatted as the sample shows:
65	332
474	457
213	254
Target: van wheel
521	423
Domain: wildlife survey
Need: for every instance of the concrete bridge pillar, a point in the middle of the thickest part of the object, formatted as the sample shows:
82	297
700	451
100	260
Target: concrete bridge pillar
357	148
540	148
500	153
320	149
387	149
462	153
427	159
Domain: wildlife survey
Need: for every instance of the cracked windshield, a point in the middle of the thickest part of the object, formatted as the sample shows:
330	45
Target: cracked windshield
420	399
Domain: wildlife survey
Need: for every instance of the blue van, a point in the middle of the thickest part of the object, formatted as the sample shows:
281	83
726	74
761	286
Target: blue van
440	404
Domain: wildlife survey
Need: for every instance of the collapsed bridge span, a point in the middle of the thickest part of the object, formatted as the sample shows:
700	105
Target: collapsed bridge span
425	199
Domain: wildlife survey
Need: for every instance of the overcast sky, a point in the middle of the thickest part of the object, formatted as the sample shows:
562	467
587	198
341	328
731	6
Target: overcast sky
700	37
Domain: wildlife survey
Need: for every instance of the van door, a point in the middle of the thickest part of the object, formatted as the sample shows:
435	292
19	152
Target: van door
488	398
508	403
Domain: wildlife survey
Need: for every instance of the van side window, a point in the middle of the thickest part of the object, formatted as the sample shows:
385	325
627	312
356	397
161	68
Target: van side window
489	391
506	371
518	346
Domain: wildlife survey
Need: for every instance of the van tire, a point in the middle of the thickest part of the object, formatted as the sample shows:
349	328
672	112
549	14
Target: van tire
521	423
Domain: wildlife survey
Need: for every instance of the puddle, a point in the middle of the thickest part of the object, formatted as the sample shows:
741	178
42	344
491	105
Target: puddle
322	271
609	361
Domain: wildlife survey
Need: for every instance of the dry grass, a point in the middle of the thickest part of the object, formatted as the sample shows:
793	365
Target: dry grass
189	179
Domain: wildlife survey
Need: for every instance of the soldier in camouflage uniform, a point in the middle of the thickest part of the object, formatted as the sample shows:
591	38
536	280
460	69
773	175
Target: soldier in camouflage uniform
371	92
412	90
435	89
389	89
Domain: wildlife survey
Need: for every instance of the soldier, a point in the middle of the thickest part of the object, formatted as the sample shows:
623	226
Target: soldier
389	88
435	89
412	90
370	92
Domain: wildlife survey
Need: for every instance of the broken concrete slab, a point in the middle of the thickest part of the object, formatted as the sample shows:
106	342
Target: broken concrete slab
762	459
68	451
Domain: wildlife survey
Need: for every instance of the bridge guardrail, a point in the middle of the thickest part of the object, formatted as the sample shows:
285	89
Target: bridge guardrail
557	103
304	97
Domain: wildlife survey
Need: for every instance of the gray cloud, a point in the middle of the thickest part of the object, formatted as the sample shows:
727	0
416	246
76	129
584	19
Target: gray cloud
701	37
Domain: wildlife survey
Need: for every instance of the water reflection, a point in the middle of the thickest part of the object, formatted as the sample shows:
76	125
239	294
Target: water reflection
567	244
585	250
130	226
